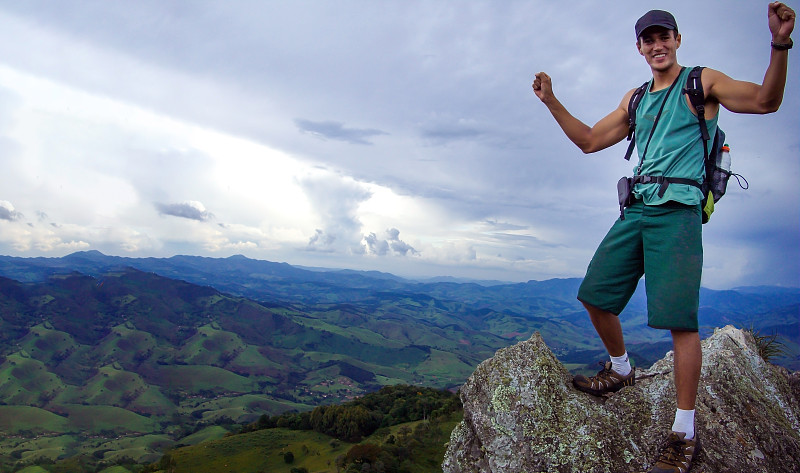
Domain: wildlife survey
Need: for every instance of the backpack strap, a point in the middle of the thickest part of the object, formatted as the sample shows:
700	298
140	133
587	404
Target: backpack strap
633	104
694	90
664	182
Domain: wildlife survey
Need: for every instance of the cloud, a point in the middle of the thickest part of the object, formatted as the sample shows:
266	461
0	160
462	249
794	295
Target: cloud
192	210
217	102
376	246
390	242
458	130
321	241
7	211
337	131
335	201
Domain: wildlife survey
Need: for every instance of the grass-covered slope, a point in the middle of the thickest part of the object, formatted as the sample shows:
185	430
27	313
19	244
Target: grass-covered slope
98	359
136	355
402	429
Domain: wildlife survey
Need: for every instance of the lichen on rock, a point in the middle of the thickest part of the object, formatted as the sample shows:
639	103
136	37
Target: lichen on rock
521	414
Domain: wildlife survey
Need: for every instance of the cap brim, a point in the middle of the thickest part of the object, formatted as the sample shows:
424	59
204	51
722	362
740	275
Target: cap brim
663	25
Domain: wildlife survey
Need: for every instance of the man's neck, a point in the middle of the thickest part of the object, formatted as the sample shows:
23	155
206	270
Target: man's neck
665	78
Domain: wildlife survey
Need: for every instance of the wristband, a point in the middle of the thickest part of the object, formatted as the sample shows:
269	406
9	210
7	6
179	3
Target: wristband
782	46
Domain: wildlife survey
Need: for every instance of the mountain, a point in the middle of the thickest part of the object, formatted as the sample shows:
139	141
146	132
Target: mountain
516	309
142	356
151	350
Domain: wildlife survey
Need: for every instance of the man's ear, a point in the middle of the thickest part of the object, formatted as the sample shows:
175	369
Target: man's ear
678	41
639	46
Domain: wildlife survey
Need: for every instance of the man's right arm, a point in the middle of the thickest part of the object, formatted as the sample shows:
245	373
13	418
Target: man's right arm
609	131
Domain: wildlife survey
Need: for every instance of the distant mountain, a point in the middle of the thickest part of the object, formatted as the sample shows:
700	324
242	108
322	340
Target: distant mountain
552	300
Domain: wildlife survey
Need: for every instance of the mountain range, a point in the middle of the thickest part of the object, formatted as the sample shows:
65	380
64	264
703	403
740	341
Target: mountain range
155	349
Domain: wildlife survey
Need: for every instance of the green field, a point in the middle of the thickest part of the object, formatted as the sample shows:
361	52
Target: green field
195	378
27	381
18	419
259	451
264	450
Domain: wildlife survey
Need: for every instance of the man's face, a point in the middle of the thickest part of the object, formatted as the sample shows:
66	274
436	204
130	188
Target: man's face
659	47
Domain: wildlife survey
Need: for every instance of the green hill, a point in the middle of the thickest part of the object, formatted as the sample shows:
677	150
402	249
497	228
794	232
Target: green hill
411	428
121	363
133	354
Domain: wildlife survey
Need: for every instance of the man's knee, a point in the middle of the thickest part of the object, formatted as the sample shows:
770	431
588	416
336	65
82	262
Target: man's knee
595	311
686	345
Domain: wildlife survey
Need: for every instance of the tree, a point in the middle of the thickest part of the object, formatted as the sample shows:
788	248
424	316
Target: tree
363	453
341	462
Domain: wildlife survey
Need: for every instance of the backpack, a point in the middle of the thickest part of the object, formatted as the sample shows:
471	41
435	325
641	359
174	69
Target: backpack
715	181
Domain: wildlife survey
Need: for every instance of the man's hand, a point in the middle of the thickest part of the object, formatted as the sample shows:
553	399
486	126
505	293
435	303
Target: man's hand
781	22
543	87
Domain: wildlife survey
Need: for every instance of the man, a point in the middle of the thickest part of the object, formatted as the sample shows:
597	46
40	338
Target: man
660	233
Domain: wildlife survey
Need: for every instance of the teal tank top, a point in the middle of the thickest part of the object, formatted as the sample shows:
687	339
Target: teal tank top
676	148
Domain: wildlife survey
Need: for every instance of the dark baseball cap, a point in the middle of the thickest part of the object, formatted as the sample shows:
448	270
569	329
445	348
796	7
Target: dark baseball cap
656	18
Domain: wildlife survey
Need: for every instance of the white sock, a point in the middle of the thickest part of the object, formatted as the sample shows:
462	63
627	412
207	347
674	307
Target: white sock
621	365
684	422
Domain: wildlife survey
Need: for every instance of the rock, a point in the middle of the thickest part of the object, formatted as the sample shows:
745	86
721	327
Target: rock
521	414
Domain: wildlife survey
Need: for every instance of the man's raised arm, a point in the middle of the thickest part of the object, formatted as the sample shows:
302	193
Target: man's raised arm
747	97
609	131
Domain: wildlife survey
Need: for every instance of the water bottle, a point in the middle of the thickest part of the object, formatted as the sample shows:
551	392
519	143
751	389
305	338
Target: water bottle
725	158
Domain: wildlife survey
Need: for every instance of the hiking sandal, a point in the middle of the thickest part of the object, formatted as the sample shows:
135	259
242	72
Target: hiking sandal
676	454
606	381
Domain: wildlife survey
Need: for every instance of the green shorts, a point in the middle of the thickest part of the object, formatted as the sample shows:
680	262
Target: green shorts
663	243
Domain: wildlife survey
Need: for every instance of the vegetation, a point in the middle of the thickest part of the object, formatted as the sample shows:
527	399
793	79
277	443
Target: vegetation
102	365
412	447
136	357
354	420
769	347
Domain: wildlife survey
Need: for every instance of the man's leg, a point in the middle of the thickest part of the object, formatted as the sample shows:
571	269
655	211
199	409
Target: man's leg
682	445
611	279
673	250
617	373
608	328
688	362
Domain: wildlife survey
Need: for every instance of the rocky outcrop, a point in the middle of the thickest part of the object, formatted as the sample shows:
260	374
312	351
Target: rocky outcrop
521	414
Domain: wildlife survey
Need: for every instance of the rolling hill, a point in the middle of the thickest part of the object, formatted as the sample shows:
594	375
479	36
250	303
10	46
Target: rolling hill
100	354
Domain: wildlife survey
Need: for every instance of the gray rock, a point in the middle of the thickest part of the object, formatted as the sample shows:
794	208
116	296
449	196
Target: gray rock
521	414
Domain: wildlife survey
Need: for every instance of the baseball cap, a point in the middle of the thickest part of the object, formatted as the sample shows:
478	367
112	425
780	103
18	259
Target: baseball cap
656	18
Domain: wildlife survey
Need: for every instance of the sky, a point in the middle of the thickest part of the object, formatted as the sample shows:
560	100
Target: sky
397	136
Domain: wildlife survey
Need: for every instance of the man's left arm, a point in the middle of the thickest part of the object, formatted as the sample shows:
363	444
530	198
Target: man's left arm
747	97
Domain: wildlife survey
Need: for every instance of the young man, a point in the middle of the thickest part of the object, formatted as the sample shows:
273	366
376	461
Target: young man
660	235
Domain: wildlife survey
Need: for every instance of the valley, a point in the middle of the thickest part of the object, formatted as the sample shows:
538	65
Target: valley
122	358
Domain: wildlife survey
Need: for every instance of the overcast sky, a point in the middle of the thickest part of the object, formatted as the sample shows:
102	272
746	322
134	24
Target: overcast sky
399	136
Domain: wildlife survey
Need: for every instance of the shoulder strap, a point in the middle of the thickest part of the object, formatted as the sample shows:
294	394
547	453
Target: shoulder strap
694	90
658	117
633	104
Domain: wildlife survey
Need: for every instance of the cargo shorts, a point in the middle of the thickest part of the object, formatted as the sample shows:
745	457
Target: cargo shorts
664	244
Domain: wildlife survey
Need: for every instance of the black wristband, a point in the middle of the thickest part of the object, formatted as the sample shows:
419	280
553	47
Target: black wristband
782	46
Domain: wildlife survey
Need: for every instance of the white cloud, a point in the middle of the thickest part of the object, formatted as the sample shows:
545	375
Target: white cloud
7	211
390	243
